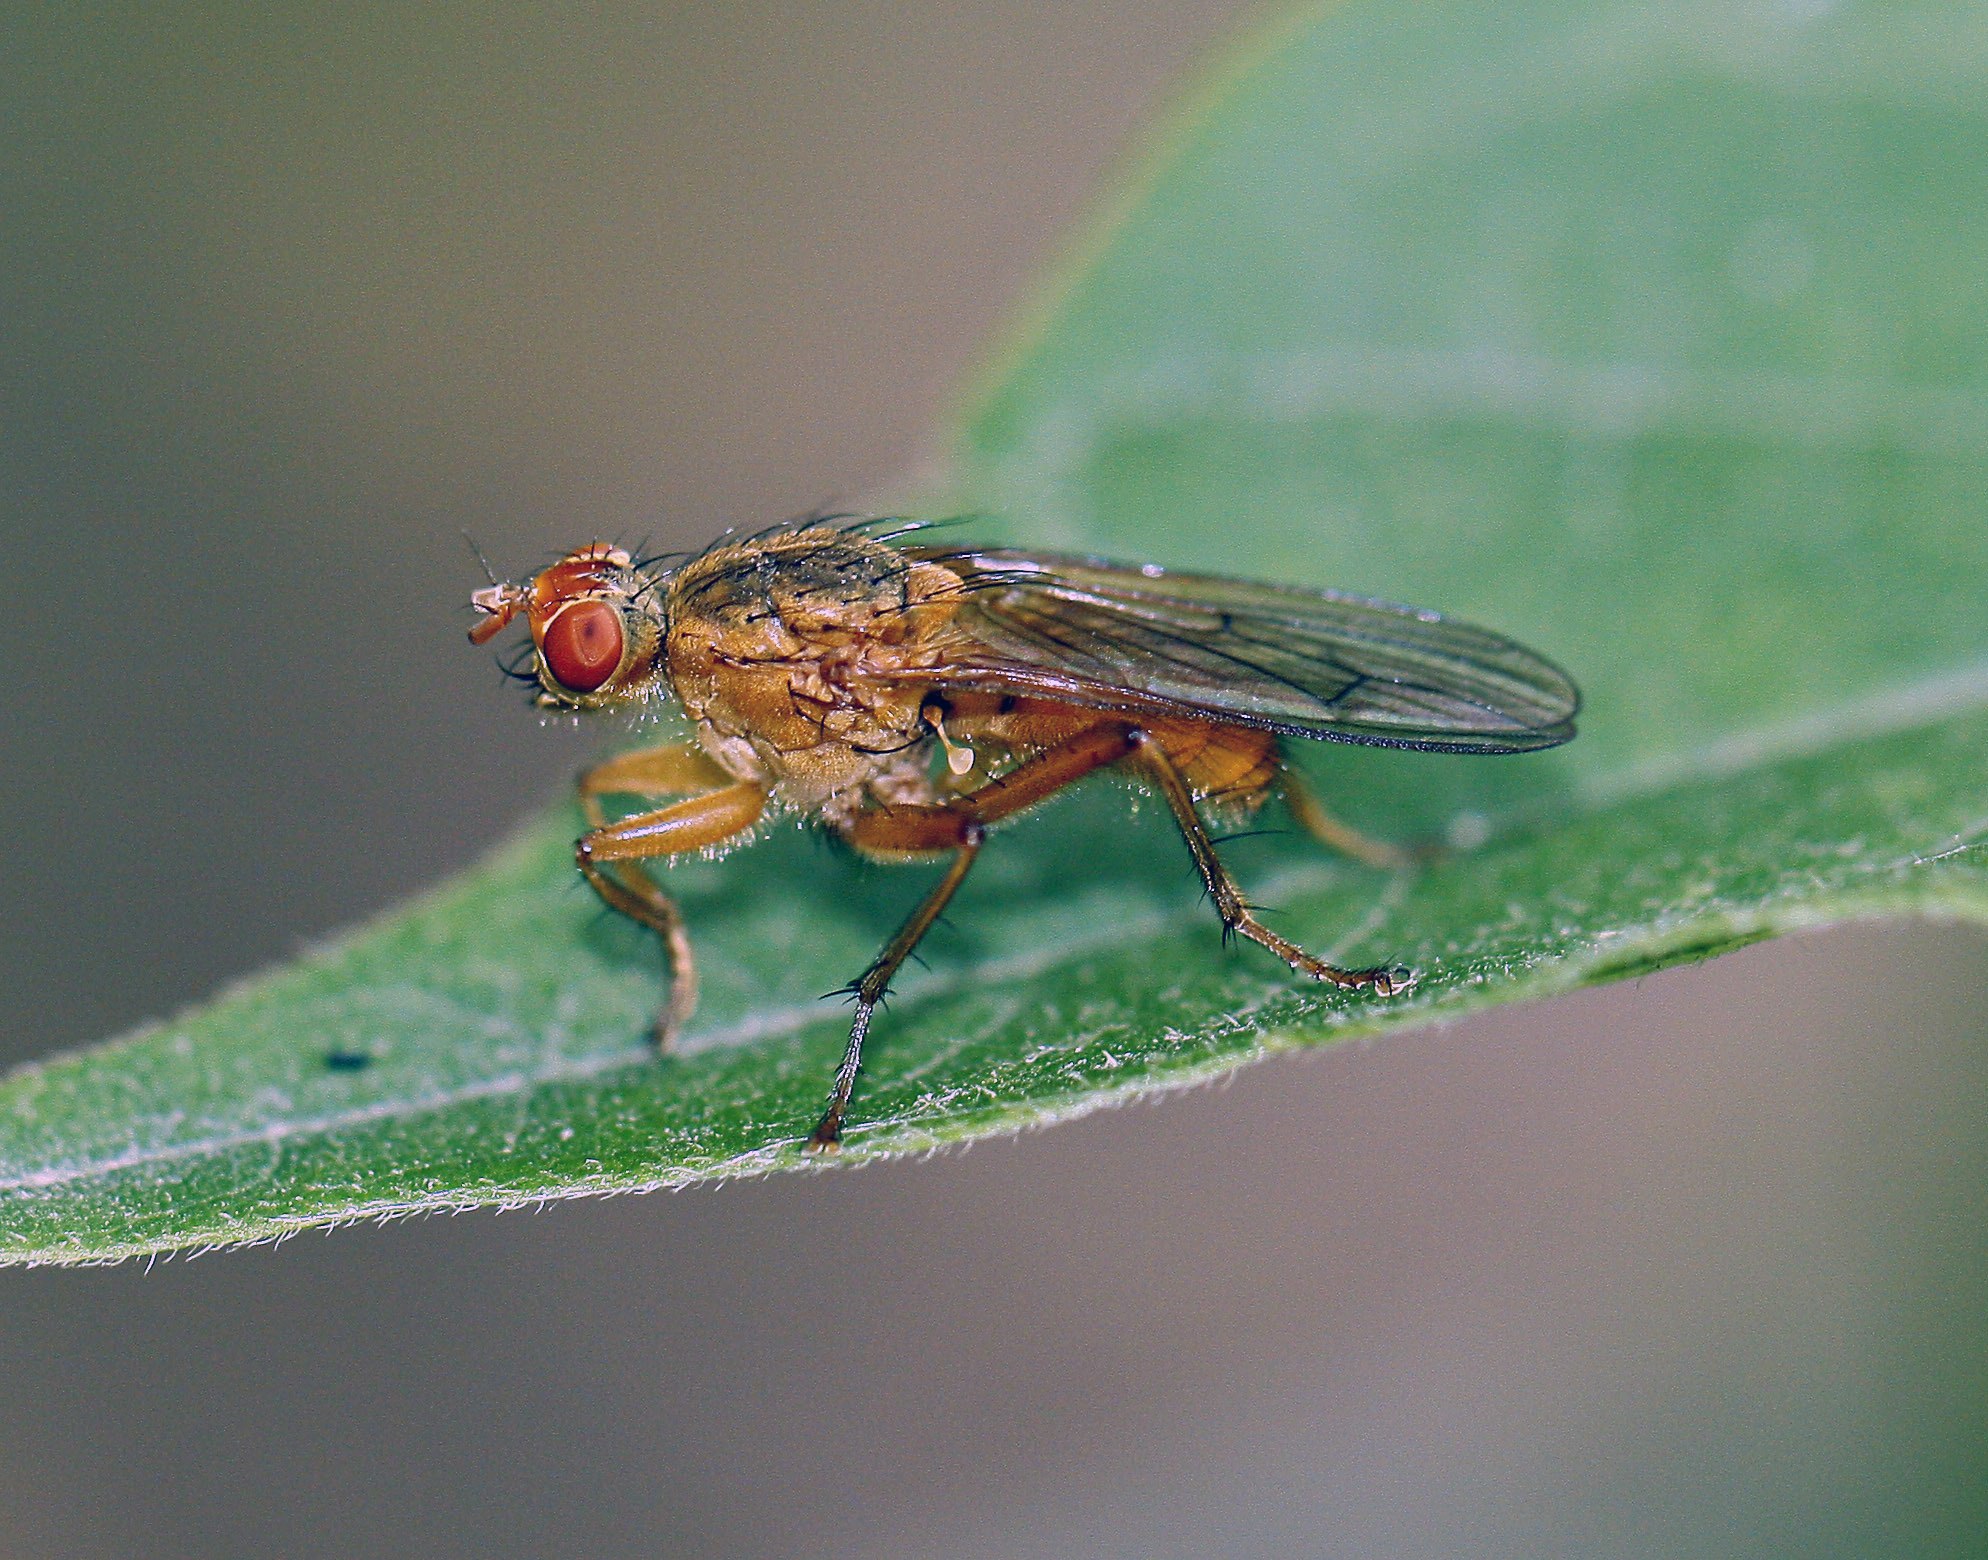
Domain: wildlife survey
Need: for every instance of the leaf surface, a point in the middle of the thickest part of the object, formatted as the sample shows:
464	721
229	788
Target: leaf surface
1651	335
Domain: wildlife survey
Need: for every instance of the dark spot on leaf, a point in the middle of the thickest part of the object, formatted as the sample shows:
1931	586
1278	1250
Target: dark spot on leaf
1689	949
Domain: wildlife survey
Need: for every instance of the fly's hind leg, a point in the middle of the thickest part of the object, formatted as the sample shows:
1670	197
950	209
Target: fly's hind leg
1311	815
1237	918
609	854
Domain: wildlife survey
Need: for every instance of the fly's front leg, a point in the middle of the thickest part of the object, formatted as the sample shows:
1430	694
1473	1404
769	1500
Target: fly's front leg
608	857
681	769
1237	918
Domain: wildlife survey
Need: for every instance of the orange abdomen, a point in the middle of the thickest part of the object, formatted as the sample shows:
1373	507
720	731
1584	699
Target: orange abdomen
1229	765
1232	766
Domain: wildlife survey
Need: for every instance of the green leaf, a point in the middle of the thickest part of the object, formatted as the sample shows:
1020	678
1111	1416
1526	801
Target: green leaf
1650	334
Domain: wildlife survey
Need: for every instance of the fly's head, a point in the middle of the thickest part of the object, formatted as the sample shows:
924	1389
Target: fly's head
596	623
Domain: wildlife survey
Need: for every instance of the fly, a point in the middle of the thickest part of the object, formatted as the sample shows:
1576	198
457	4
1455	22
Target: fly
910	696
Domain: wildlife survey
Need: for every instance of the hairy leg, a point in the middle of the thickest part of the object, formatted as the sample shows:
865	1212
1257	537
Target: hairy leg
680	769
609	854
1237	918
959	826
870	987
1311	816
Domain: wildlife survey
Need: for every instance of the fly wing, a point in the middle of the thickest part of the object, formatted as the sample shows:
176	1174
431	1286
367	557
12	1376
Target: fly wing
1309	663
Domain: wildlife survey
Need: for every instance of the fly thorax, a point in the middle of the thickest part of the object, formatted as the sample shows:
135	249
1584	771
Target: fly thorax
807	646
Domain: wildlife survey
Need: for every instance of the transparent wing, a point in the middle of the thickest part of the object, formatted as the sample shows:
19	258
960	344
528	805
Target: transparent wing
1309	663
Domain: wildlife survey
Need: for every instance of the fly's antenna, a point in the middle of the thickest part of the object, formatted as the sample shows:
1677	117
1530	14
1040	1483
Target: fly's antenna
489	573
499	604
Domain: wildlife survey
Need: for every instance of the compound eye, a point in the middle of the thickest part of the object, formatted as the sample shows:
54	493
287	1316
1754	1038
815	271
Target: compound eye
582	645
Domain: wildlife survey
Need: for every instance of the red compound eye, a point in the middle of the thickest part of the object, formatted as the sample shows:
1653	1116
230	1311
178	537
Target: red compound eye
582	645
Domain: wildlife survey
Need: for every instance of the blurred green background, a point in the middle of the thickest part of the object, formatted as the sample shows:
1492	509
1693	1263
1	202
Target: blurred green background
1693	1265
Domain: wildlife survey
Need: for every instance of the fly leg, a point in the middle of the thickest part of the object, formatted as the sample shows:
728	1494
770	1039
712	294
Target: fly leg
874	982
609	853
680	769
1310	815
1237	918
958	826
